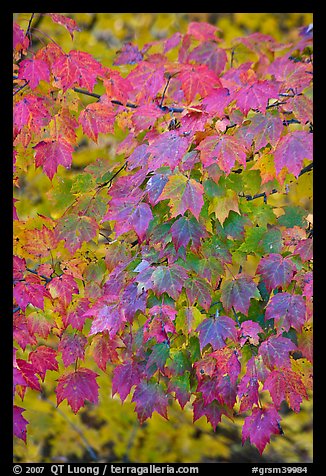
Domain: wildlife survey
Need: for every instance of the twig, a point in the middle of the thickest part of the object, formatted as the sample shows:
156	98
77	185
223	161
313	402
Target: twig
20	88
28	31
306	169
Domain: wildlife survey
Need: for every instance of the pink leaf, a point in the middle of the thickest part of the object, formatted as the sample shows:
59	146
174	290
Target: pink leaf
52	153
275	351
125	376
238	292
34	70
260	425
224	150
77	387
19	422
72	347
287	310
149	397
43	358
285	384
214	331
291	151
276	271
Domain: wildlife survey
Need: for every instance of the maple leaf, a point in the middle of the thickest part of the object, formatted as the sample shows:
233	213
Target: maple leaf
199	290
129	54
203	31
198	79
19	423
75	314
97	117
31	111
75	229
285	384
276	271
52	153
169	279
208	53
248	391
167	149
77	387
224	150
291	74
157	358
40	242
67	22
275	351
108	317
237	293
129	216
217	101
213	411
287	310
249	330
149	397
214	331
34	70
27	371
63	287
160	323
104	350
155	186
72	347
43	358
222	205
184	194
260	425
185	230
30	291
76	68
147	80
180	385
125	376
265	129
304	249
256	96
131	301
20	40
291	151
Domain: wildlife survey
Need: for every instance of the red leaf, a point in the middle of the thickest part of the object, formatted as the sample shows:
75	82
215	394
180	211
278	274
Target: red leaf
256	96
287	310
154	187
125	376
208	53
129	216
203	31
97	117
213	411
214	331
291	151
108	317
184	194
75	315
34	70
287	385
52	153
276	271
260	425
129	54
43	358
76	68
147	79
249	331
117	87
149	397
77	387
199	80
31	111
291	74
67	22
224	150
216	102
30	291
265	129
20	40
160	323
238	292
167	149
104	350
72	347
248	391
275	351
19	423
169	279
305	249
19	267
63	287
27	371
185	230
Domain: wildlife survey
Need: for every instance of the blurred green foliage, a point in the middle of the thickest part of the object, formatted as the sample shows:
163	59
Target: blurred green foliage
110	431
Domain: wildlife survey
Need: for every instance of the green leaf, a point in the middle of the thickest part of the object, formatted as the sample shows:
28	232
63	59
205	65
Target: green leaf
293	216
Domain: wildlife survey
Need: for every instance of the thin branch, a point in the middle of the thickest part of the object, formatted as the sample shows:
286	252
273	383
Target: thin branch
28	31
20	88
16	309
306	169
